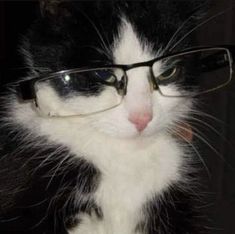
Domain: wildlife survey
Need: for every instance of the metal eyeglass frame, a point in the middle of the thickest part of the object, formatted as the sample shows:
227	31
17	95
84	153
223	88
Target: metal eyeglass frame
26	88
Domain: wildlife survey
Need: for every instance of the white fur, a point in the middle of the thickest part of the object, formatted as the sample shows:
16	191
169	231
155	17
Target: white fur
134	166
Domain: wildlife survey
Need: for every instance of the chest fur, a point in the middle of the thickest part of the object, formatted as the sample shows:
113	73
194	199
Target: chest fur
128	182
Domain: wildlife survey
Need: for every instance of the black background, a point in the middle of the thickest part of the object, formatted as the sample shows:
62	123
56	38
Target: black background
219	185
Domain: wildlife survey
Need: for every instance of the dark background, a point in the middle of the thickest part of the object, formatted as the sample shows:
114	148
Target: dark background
219	184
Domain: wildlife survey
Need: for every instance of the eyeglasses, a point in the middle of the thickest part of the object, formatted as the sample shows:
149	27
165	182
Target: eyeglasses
81	92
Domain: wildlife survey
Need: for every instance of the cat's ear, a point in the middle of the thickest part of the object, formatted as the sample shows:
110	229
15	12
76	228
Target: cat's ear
54	8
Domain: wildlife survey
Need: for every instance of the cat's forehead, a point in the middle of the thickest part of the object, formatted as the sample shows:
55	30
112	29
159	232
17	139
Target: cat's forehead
128	47
135	28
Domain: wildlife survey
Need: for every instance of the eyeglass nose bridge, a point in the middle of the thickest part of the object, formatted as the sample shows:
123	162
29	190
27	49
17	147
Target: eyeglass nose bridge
152	81
122	84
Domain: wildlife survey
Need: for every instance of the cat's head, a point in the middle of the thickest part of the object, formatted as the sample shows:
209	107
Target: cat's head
80	34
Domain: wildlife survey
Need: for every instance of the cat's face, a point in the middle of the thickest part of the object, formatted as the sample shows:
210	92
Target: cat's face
111	33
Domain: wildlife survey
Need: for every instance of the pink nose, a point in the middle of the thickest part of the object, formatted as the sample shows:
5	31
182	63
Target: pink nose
140	120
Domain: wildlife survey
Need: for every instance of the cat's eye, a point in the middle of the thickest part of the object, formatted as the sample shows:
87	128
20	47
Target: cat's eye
105	75
73	93
193	73
168	74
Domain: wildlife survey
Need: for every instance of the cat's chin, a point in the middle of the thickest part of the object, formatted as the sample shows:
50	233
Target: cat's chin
133	135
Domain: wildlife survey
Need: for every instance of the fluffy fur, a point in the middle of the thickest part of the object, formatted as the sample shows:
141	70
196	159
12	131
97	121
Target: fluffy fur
99	174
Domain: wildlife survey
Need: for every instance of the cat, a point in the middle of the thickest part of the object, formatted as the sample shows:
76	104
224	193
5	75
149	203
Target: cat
119	171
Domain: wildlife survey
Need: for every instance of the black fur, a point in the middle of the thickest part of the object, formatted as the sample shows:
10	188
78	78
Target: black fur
174	212
35	200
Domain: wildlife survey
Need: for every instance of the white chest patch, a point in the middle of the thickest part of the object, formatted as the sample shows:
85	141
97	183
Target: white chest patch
129	180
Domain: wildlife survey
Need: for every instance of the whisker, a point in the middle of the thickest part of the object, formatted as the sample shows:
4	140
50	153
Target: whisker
39	223
105	35
204	114
195	150
205	125
104	45
56	169
10	219
36	204
182	26
200	25
27	67
99	50
48	159
201	138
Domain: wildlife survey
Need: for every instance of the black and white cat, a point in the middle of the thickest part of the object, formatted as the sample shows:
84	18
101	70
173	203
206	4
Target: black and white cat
120	171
